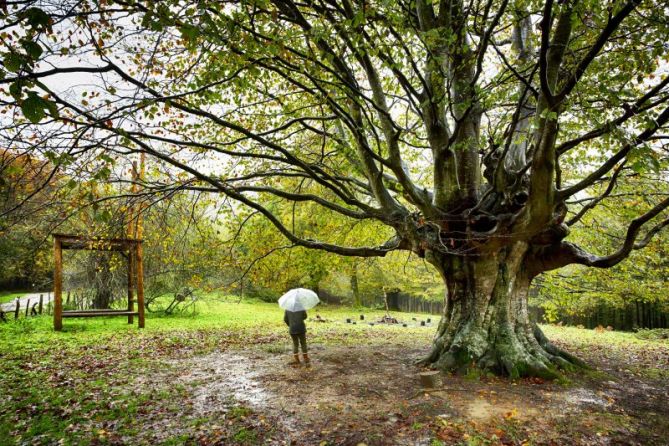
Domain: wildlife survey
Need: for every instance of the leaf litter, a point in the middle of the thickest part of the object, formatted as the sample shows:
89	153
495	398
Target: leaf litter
208	388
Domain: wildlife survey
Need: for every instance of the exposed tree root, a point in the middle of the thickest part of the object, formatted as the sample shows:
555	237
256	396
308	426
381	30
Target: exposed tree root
514	353
558	352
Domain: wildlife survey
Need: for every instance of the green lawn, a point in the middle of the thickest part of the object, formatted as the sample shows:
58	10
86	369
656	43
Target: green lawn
72	385
8	296
214	313
84	385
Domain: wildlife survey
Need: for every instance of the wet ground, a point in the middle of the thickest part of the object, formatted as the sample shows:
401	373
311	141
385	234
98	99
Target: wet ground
371	395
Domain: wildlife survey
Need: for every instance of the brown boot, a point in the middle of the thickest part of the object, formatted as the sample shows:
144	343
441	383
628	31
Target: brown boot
296	360
307	361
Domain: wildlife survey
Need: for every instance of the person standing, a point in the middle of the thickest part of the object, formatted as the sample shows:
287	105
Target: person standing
298	332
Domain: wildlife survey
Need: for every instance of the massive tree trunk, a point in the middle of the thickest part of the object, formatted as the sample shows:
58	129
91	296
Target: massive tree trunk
485	323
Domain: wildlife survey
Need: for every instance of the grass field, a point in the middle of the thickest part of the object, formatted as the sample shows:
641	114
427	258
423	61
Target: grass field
248	318
8	296
185	379
51	381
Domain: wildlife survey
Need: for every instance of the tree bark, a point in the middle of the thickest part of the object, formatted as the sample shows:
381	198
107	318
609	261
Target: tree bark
485	323
102	278
355	289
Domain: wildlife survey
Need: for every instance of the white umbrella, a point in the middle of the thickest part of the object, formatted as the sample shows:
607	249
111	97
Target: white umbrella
298	299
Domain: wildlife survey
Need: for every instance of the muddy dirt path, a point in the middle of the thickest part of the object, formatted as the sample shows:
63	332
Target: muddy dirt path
371	395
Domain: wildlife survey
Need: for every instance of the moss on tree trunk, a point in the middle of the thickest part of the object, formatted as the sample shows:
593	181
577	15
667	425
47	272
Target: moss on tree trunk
485	324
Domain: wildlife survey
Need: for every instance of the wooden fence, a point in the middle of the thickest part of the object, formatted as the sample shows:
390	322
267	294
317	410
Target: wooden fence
633	316
32	307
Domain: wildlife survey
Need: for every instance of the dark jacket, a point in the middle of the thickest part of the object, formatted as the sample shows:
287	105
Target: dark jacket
295	321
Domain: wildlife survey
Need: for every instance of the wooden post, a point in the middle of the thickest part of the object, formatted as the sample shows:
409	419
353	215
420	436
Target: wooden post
132	234
140	283
131	303
16	310
135	263
140	248
58	285
431	379
27	307
41	303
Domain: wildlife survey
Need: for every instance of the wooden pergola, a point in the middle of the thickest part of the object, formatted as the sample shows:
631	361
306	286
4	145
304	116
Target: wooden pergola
133	248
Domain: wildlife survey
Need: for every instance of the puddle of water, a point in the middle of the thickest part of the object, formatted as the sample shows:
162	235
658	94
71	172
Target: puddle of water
339	382
585	397
222	378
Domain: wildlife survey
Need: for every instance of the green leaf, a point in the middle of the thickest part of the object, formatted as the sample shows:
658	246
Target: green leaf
15	89
32	49
637	166
102	174
13	62
106	158
33	107
189	32
36	17
53	109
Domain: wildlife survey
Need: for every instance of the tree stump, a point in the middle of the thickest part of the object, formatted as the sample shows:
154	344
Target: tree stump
431	379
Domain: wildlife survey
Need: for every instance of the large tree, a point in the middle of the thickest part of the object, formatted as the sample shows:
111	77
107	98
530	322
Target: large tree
463	127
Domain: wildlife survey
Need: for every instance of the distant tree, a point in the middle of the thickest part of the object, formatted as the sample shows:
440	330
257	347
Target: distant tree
28	185
464	128
183	246
262	263
576	292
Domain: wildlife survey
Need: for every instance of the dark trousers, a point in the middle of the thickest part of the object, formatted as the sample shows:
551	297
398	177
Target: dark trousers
300	339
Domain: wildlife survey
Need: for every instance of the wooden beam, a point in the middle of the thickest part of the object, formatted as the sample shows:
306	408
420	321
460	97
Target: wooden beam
69	241
58	285
131	233
131	303
98	313
139	249
139	264
91	247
